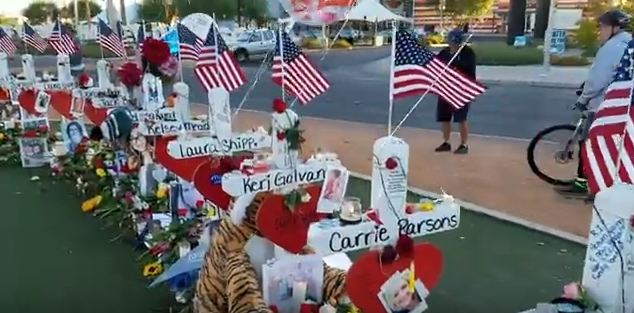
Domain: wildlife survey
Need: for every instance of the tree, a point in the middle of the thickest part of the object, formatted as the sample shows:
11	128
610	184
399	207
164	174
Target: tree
467	8
86	9
516	20
9	21
541	18
40	12
152	11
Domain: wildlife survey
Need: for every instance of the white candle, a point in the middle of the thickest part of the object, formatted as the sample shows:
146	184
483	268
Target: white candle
299	293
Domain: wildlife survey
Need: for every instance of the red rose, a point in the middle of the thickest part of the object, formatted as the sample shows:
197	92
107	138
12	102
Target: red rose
391	163
404	245
130	74
279	106
199	204
281	135
98	163
155	51
84	80
182	212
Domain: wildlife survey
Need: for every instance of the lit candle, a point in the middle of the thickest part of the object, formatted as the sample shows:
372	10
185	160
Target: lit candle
299	293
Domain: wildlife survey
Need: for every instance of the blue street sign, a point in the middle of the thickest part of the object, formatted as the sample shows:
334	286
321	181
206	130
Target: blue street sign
558	41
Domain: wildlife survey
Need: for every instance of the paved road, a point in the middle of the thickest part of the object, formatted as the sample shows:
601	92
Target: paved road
359	92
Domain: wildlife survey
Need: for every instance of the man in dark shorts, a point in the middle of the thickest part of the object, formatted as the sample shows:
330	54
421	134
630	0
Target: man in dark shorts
465	62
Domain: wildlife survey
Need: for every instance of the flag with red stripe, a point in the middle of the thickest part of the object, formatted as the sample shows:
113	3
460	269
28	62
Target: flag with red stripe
61	41
110	40
216	66
6	43
33	39
188	43
417	70
609	149
295	73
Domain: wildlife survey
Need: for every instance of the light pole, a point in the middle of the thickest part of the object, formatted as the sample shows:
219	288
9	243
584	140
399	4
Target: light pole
549	37
76	12
442	6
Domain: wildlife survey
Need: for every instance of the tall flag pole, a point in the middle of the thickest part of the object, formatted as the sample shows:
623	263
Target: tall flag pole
99	38
121	35
280	46
61	41
391	95
26	46
110	40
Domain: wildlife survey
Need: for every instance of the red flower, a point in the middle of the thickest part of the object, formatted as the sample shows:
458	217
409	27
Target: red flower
147	214
159	248
30	133
84	80
42	129
199	204
391	163
130	74
274	308
281	135
308	308
404	245
279	106
182	212
388	254
372	215
156	52
98	163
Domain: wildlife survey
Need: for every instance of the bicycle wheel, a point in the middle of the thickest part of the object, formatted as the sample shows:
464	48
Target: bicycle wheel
552	156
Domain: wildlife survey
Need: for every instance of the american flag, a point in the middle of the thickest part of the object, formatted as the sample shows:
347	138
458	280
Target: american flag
61	42
6	43
613	119
189	43
140	37
110	40
216	65
417	70
33	39
295	73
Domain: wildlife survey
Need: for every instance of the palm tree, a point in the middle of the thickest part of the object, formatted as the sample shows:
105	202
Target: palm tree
516	20
124	20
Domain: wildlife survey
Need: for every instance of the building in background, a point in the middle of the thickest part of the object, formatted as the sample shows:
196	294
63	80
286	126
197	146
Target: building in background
569	12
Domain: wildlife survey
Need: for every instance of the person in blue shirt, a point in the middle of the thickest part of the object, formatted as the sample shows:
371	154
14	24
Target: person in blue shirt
464	62
614	39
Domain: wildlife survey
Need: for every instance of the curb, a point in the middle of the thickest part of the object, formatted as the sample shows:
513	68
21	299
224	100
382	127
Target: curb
531	83
495	214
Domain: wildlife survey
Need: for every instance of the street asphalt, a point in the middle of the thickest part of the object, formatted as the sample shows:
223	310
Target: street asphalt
359	91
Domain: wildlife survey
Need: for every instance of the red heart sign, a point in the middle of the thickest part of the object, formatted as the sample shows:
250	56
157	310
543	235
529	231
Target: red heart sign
61	101
367	275
285	227
208	177
94	115
26	98
184	168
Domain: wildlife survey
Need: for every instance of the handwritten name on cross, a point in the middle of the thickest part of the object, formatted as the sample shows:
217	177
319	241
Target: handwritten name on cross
238	184
185	149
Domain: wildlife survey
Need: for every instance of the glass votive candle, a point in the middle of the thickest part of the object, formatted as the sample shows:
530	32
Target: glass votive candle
351	210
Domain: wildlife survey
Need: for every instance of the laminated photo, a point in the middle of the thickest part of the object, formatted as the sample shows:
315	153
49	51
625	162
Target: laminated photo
397	298
41	102
73	132
34	152
333	190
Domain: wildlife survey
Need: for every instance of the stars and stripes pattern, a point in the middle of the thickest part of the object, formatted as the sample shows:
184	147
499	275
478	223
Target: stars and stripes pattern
6	43
294	72
110	40
216	66
612	131
189	44
417	70
61	41
33	39
140	37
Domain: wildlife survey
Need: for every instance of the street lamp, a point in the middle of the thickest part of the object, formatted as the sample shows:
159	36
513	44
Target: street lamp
442	5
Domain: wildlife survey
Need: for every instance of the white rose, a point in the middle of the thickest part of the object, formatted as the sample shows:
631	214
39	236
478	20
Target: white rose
285	120
306	197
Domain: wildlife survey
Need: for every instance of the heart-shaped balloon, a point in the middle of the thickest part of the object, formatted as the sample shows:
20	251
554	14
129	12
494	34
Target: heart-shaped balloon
61	101
288	228
208	178
367	274
183	168
27	98
94	114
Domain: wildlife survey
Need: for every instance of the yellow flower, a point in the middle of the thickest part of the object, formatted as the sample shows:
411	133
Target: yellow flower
161	191
91	204
152	269
100	172
2	136
353	309
426	206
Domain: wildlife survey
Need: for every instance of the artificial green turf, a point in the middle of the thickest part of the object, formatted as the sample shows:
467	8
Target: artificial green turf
58	259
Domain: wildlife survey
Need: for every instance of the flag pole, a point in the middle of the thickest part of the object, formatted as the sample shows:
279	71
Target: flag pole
26	47
391	94
214	28
281	47
99	35
122	37
180	60
617	175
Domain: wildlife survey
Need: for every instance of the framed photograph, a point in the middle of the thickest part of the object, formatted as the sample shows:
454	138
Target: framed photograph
77	104
333	190
9	110
281	277
73	132
34	152
42	101
397	298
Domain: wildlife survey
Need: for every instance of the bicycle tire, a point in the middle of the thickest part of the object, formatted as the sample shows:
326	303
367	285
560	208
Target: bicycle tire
531	154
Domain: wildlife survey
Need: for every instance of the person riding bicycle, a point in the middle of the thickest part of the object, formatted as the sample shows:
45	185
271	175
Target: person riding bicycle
614	39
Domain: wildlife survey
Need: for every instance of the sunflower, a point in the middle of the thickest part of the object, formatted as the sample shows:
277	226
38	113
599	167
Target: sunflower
161	191
91	204
427	206
152	269
100	172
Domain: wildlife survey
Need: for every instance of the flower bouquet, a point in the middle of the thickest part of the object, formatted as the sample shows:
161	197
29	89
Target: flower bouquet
575	299
157	60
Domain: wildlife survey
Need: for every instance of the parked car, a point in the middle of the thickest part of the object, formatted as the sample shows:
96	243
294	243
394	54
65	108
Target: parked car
253	43
349	34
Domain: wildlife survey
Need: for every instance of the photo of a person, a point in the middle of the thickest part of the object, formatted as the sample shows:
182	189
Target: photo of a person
400	299
74	133
333	190
140	146
33	152
332	186
42	101
77	106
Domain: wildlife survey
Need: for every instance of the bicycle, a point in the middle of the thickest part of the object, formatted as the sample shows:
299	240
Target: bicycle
564	152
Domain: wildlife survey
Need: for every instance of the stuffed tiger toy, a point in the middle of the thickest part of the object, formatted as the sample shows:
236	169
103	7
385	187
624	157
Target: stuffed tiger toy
227	281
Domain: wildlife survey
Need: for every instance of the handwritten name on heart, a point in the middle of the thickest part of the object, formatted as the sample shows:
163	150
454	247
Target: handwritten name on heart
239	184
185	149
327	241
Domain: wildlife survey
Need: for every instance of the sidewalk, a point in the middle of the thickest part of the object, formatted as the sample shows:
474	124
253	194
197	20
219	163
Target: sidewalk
533	75
493	175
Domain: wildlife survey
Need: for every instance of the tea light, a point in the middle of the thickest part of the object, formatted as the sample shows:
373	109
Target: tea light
350	210
299	293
